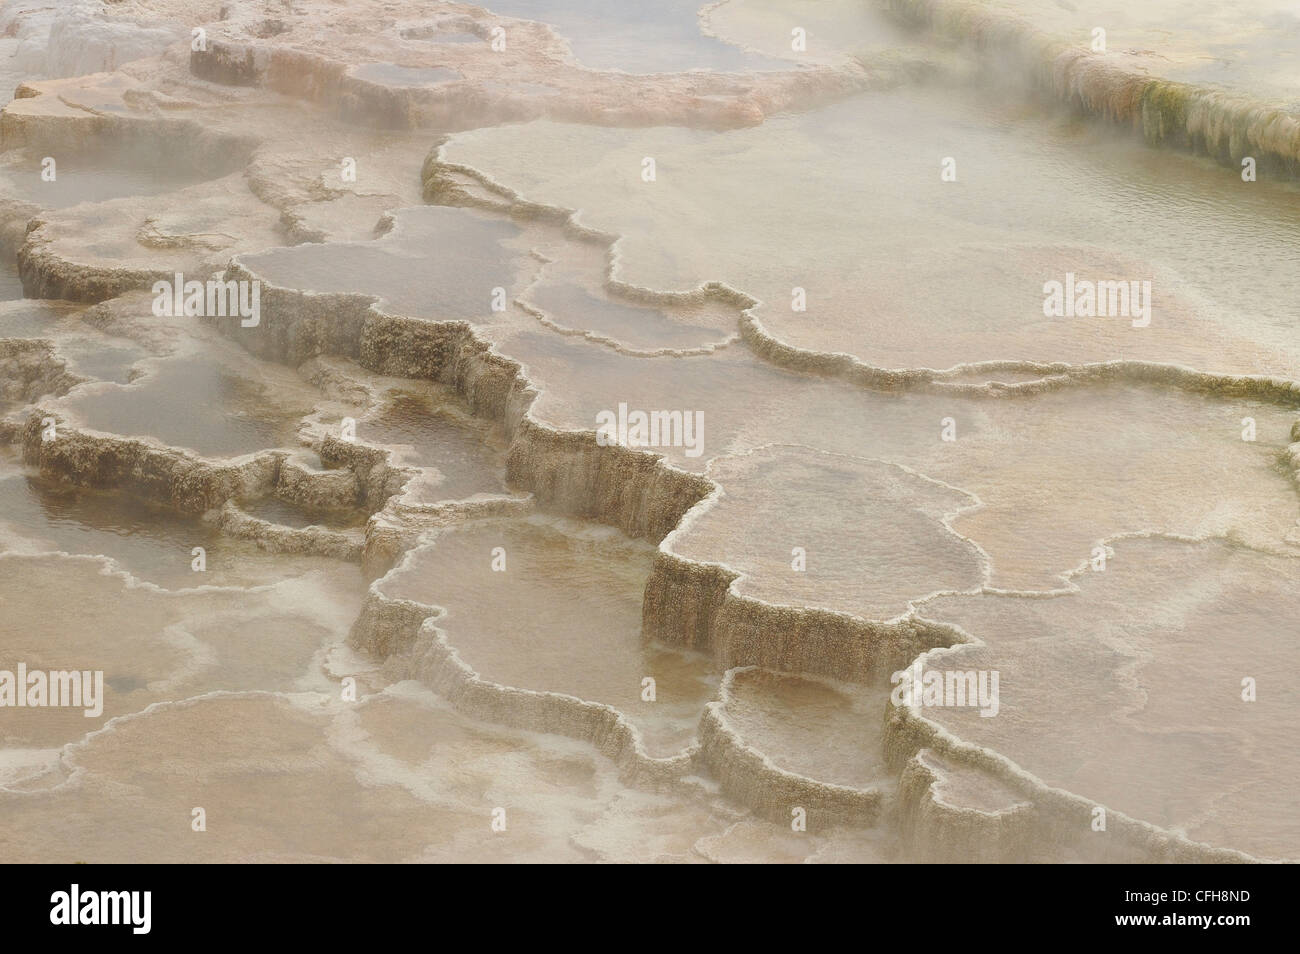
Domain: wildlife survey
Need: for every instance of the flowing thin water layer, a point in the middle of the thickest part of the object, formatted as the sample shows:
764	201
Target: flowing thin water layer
1054	473
870	535
153	645
368	781
556	609
812	728
960	273
1092	535
1152	689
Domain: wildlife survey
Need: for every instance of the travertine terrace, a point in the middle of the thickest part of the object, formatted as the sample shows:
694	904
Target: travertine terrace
361	567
